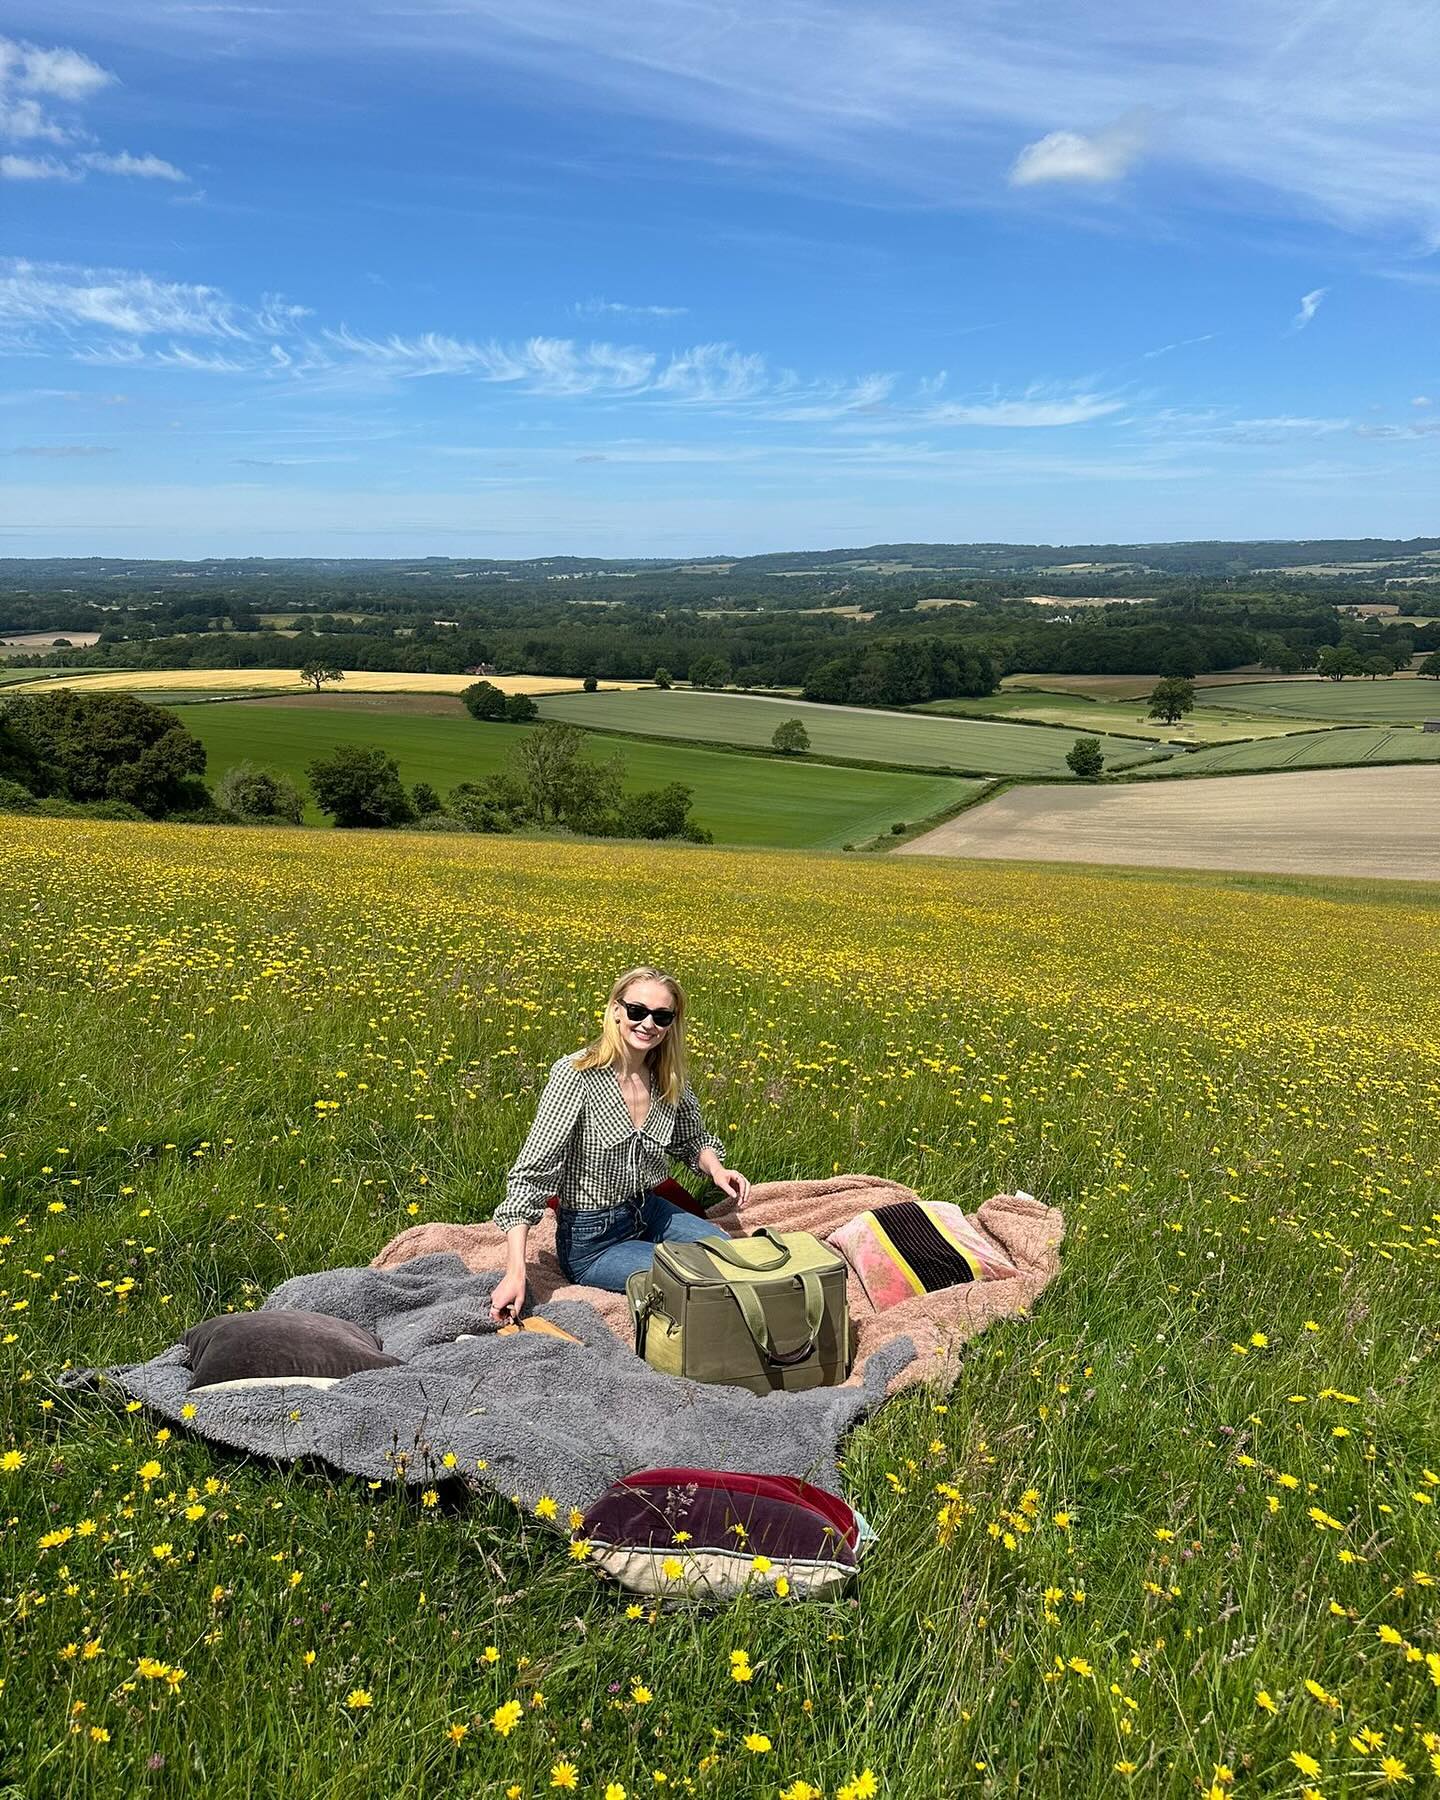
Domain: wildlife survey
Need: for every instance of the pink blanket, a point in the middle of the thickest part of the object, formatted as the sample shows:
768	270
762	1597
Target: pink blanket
1028	1232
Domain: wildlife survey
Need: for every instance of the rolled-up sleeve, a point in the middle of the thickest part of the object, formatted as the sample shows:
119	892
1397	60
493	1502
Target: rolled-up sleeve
535	1174
691	1137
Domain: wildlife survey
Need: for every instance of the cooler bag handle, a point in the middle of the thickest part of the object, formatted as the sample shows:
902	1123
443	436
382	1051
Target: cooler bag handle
720	1247
755	1322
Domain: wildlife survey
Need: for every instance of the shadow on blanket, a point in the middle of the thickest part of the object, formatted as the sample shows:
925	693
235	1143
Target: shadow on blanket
937	1324
530	1415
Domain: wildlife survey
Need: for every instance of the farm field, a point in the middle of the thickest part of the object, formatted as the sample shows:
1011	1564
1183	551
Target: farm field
1203	726
741	799
1135	687
1180	1518
865	735
1369	823
1310	750
213	683
1394	701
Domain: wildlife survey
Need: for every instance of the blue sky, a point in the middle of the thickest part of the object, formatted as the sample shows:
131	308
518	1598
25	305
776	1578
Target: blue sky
696	276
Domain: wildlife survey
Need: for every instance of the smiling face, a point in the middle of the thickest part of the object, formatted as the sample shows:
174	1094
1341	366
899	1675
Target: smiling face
641	1039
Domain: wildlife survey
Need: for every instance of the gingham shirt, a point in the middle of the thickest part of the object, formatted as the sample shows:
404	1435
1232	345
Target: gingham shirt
584	1148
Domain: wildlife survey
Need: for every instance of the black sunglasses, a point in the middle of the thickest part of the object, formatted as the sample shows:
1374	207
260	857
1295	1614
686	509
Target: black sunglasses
662	1015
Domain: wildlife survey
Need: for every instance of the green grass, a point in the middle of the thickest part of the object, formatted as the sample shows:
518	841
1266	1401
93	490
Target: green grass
741	799
1196	1472
1381	702
9	676
906	738
1308	750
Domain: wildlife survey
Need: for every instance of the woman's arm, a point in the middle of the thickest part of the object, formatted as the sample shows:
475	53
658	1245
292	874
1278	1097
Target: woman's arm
699	1150
535	1176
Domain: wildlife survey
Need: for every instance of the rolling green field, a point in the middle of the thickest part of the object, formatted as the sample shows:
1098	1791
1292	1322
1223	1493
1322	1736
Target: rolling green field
1308	750
741	799
1396	701
964	745
1180	1518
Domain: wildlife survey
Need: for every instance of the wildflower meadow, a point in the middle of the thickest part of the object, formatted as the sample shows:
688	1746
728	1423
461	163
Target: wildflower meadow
1173	1534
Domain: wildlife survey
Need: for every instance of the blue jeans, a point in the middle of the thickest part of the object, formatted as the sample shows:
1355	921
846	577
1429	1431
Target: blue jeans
603	1249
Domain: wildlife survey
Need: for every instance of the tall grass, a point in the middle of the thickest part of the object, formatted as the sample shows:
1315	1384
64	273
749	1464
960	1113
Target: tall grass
1169	1534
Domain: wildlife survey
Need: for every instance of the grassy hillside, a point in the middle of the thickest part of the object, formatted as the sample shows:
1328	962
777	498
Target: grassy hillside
1308	750
1181	1518
742	799
910	738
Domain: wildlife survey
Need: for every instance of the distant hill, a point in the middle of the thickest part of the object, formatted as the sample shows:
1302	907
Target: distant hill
1219	559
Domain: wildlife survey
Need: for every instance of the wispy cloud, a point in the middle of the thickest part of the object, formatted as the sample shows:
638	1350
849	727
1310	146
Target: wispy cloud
42	92
146	168
1309	306
131	320
1179	344
62	450
1072	156
623	309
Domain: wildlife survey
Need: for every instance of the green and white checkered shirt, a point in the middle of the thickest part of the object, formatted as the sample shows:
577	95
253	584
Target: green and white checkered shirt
584	1148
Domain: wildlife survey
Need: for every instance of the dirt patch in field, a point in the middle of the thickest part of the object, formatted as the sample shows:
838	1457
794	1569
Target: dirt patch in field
1382	823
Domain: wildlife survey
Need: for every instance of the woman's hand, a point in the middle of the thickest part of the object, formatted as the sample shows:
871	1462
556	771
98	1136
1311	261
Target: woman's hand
508	1299
733	1184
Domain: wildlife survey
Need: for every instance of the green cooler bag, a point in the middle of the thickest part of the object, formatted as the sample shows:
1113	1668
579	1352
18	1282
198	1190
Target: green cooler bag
761	1312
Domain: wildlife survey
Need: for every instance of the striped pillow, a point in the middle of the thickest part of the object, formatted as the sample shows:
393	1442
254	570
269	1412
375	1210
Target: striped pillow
915	1247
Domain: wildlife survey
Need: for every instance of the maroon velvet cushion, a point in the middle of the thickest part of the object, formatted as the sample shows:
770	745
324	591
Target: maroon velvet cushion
711	1534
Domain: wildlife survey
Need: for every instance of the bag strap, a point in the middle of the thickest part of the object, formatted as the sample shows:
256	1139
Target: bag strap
721	1248
758	1326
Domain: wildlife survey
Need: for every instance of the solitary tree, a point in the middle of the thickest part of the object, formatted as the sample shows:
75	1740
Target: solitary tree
317	672
483	700
1430	668
1171	699
520	709
1339	660
559	782
589	684
1378	665
791	738
1086	758
359	785
663	678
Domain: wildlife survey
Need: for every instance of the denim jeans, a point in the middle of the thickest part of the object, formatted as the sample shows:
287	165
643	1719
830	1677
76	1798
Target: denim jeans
603	1249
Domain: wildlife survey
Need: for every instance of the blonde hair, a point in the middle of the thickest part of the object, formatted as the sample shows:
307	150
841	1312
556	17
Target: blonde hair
667	1060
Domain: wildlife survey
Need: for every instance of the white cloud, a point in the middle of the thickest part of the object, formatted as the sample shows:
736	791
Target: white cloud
1030	411
148	168
62	451
35	168
1309	306
1422	400
621	309
33	82
135	305
1071	156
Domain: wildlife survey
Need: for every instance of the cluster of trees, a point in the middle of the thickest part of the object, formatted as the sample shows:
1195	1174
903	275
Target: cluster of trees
108	754
902	672
548	780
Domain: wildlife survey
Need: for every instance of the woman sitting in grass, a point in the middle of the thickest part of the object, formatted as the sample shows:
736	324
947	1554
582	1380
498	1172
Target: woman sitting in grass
609	1122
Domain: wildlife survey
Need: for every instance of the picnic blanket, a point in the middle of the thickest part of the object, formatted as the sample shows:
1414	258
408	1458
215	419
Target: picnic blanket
534	1417
937	1325
530	1416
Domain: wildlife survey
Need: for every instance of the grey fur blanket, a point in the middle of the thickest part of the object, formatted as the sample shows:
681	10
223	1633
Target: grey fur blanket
527	1414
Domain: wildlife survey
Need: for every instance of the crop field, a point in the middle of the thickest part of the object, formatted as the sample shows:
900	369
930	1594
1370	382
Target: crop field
1309	750
1171	1535
1135	687
1203	726
1365	822
212	683
1397	700
844	731
741	799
